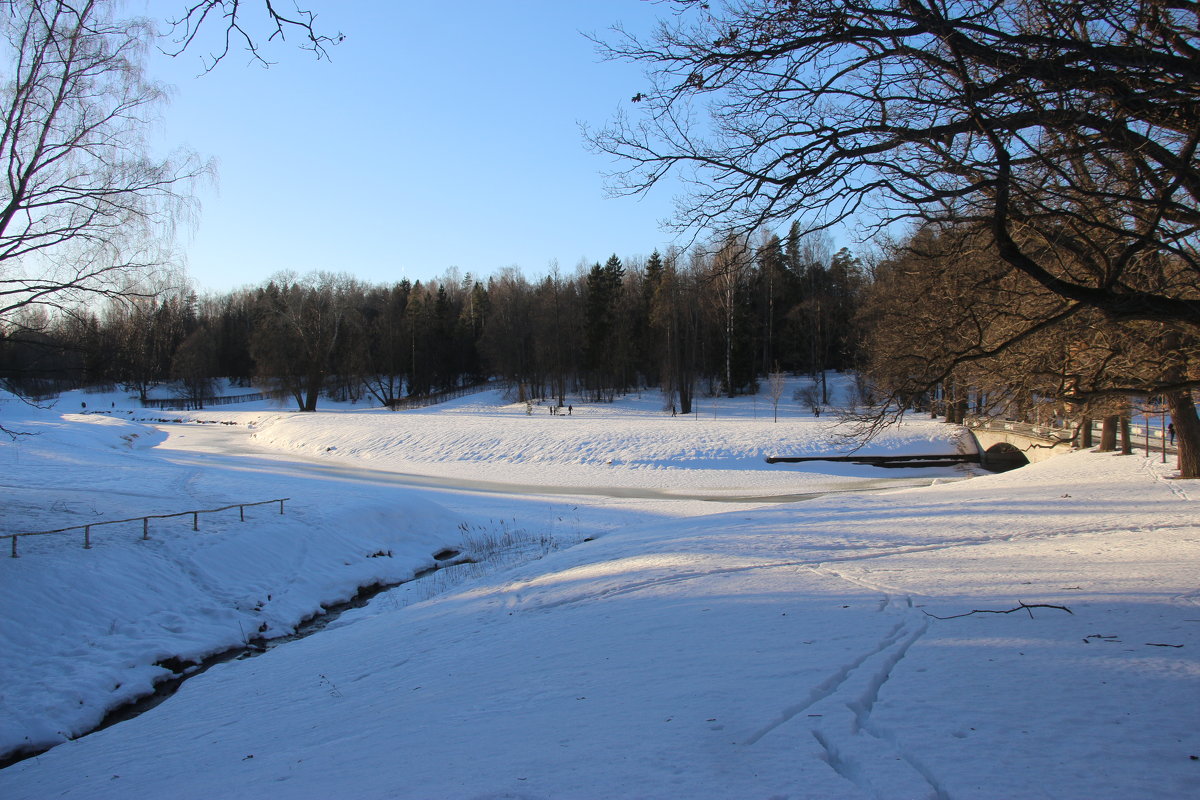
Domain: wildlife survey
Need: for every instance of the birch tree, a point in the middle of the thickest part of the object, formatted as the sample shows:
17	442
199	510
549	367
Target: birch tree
85	210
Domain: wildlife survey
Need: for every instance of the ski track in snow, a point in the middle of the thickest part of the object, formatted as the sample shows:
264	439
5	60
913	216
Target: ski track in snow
520	603
870	756
837	712
988	540
1177	487
839	708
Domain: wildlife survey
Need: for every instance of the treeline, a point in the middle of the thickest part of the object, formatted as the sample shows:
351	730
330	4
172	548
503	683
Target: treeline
709	320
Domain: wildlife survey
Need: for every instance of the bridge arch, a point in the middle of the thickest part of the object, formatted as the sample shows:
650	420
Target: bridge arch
1002	456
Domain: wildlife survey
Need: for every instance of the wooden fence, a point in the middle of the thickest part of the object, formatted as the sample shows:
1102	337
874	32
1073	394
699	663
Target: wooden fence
145	520
399	404
194	404
423	401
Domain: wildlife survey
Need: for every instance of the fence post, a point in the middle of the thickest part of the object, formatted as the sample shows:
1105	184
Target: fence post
195	520
242	512
281	505
145	527
87	537
14	545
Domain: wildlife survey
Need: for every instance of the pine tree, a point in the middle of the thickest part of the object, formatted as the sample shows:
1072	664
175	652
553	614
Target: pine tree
604	284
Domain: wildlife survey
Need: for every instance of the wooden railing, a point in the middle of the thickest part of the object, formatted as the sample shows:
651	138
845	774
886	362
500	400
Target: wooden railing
145	520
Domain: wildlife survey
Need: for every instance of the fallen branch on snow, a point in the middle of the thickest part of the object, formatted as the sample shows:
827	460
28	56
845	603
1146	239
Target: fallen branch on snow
1027	606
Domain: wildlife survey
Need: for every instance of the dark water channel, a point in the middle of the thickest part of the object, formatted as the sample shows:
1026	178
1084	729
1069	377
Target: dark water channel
183	670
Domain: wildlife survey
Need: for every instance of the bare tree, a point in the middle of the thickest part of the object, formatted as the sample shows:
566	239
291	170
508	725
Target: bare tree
387	356
303	325
84	209
1022	116
194	364
145	333
674	316
946	312
776	383
809	395
728	270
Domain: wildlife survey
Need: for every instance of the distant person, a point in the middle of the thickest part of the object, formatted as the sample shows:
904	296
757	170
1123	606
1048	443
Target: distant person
570	409
1171	431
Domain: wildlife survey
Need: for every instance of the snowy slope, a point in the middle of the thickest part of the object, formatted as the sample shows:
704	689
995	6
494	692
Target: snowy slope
769	651
628	448
86	628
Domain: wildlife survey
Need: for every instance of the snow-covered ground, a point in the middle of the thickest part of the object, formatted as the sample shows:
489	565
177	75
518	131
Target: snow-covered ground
666	624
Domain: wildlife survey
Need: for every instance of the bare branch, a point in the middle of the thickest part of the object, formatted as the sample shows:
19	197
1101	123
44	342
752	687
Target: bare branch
233	29
1020	607
1021	116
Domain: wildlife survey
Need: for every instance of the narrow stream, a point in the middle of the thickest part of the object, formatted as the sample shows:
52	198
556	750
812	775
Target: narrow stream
185	670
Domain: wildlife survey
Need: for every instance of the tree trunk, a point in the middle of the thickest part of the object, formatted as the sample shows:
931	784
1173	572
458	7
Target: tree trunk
1183	415
729	347
312	391
1126	436
956	405
1187	433
960	412
1108	434
1085	433
685	397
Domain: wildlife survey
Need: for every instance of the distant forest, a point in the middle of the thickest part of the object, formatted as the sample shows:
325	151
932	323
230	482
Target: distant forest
710	320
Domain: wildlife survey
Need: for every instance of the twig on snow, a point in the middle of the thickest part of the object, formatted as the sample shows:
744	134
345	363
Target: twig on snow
1026	606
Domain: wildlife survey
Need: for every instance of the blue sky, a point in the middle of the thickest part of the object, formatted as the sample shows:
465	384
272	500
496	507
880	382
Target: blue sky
438	136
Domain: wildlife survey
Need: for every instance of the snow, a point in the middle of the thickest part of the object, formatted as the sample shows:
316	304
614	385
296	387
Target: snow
634	638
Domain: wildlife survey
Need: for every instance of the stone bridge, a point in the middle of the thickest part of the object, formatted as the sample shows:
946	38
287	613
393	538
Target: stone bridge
1007	445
